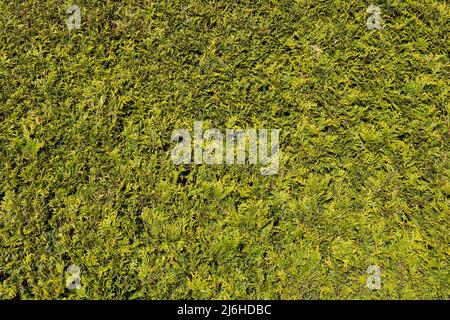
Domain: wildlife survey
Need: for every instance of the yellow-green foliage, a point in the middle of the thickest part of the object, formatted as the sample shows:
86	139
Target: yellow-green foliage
86	176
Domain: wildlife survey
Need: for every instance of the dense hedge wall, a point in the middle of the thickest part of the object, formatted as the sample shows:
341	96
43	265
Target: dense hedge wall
86	176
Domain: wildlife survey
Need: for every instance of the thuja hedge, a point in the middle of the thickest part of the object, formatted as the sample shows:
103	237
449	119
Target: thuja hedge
86	176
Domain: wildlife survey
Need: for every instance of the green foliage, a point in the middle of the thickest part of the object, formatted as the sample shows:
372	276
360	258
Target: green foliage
86	176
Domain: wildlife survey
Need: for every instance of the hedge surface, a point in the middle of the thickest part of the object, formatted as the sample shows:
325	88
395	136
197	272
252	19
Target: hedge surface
86	176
